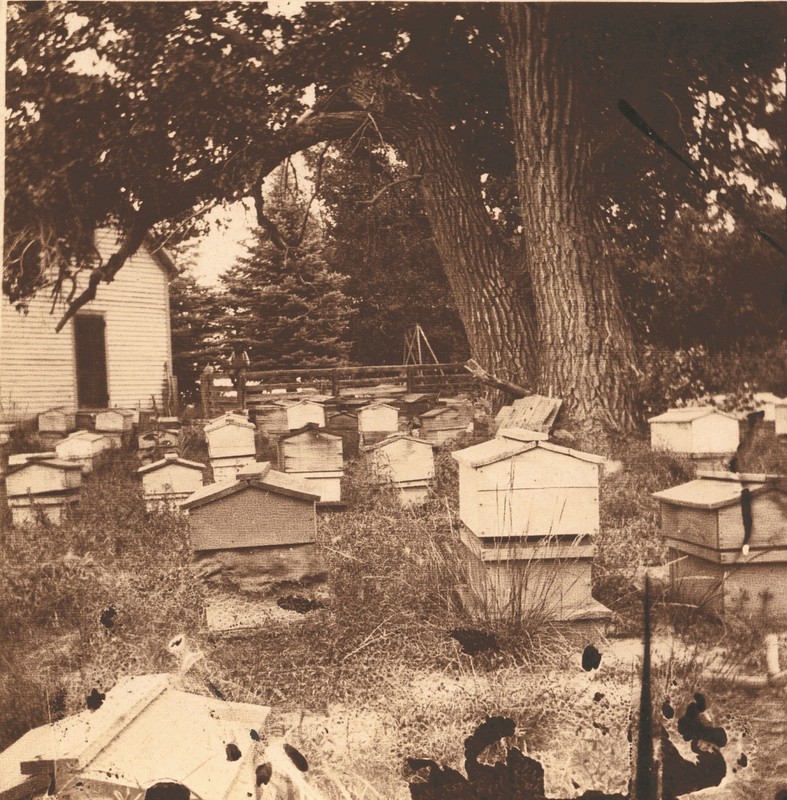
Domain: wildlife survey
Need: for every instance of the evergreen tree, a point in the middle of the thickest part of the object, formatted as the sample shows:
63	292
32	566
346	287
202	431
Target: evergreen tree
285	307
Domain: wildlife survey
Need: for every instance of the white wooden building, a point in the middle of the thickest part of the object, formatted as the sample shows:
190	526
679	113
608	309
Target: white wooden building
713	565
169	480
529	511
315	457
304	412
48	487
695	430
116	351
406	463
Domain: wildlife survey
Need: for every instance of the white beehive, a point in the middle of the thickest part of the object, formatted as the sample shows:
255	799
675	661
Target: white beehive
444	423
170	479
230	435
304	413
529	510
377	421
271	417
405	462
315	457
695	430
57	420
17	459
226	468
82	447
114	420
42	487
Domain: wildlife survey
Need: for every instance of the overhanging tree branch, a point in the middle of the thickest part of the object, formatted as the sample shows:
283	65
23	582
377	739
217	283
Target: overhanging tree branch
389	186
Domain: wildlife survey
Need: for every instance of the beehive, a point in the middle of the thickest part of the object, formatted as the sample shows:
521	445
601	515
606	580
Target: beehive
377	421
271	418
48	487
114	420
256	531
57	420
315	457
695	431
704	525
304	413
82	447
780	418
529	511
444	423
344	424
414	404
405	462
169	480
230	436
226	469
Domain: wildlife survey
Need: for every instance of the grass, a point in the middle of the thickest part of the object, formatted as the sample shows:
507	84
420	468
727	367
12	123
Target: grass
364	682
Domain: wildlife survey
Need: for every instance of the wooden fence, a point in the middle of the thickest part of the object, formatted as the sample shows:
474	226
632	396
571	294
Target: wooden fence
246	388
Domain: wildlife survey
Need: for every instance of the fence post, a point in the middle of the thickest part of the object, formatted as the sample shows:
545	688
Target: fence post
335	382
5	430
410	379
206	392
240	381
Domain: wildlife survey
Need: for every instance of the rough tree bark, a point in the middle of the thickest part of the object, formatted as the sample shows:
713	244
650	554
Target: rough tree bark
585	346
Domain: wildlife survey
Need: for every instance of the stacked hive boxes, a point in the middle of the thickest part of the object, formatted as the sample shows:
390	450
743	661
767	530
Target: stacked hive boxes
529	511
82	447
170	480
231	445
727	536
406	463
47	487
314	457
376	422
704	434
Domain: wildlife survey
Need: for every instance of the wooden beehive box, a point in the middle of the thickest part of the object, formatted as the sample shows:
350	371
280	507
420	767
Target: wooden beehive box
444	423
703	522
780	418
414	404
256	531
226	469
529	510
170	479
230	435
535	412
82	447
315	457
42	487
148	731
114	420
344	424
304	413
271	418
377	421
697	431
405	462
57	420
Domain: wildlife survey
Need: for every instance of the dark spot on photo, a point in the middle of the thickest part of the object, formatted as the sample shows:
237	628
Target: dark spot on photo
95	699
107	618
254	735
264	773
591	658
667	710
233	752
743	761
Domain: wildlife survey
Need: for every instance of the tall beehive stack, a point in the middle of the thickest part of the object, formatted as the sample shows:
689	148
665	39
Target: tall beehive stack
47	487
529	511
231	445
406	463
315	457
727	536
55	424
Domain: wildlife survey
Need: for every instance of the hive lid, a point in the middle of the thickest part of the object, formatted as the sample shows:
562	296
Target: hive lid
522	434
494	450
228	419
376	405
689	414
314	429
170	458
87	436
715	490
534	412
49	462
257	470
23	458
397	437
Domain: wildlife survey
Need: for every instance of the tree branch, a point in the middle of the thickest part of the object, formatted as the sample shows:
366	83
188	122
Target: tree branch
478	372
388	186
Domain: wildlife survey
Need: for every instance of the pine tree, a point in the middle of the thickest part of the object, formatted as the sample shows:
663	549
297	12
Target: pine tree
285	308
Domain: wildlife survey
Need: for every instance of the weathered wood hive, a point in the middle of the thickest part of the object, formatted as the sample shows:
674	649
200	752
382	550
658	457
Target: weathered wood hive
534	412
257	531
405	462
315	457
171	479
271	417
529	511
344	424
413	404
444	423
116	424
231	445
148	731
48	487
57	420
305	412
712	565
82	447
704	434
376	422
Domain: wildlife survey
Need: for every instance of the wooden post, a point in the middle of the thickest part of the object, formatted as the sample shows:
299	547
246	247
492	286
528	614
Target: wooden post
5	430
240	382
410	379
206	392
335	382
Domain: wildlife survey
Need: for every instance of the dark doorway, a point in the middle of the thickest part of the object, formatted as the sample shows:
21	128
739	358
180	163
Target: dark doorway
91	362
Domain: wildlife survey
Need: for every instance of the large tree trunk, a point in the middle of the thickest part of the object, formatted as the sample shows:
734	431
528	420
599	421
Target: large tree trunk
586	350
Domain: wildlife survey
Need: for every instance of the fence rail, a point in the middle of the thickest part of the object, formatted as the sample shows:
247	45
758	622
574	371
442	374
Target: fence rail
250	387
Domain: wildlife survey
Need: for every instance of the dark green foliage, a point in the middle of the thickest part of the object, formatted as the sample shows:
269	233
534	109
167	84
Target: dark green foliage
285	307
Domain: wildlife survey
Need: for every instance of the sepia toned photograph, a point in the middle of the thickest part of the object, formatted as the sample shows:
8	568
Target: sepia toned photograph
393	401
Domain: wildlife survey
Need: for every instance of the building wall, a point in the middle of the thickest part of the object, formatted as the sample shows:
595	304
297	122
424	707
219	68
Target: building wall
37	365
